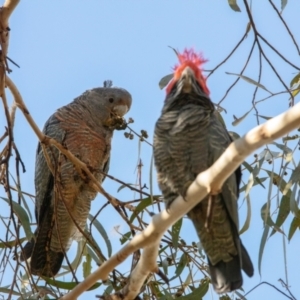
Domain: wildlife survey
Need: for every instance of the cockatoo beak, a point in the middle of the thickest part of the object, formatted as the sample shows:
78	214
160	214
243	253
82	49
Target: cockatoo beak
120	110
187	79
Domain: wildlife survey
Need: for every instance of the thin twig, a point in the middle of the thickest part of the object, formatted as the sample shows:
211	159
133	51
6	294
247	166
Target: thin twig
229	55
271	285
285	25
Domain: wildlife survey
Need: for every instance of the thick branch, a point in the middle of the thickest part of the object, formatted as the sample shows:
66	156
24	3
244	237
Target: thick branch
209	181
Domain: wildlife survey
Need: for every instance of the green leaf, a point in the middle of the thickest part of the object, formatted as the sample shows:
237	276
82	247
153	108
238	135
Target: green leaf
151	176
264	117
166	295
140	207
76	261
284	210
180	266
265	215
108	290
11	244
93	255
233	5
8	291
87	266
67	285
22	198
239	120
175	233
198	293
277	180
256	182
250	81
295	80
262	246
103	233
22	215
295	85
295	177
165	265
248	28
165	80
283	4
124	186
293	204
294	225
94	246
125	237
286	150
248	218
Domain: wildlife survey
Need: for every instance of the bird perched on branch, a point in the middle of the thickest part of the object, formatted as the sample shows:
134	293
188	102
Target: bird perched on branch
63	198
189	138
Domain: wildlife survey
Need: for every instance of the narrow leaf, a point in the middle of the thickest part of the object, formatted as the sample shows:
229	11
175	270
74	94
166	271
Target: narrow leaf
76	261
140	207
151	176
248	218
295	80
124	186
87	266
283	4
22	198
103	233
250	81
288	153
165	265
293	204
67	285
248	28
125	237
233	5
181	265
265	215
11	244
93	255
294	225
239	120
22	215
9	291
197	293
175	233
262	246
284	210
264	117
164	81
256	182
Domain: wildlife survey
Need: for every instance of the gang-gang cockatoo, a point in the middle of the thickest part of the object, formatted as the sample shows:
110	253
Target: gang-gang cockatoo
85	127
188	139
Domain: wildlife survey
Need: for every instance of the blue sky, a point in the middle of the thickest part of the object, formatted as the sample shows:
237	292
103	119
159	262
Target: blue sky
67	47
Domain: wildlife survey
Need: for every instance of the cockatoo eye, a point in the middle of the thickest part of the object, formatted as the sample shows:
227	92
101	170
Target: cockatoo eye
111	100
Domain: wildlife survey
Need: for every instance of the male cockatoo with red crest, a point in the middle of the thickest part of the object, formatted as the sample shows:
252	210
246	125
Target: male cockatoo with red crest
188	139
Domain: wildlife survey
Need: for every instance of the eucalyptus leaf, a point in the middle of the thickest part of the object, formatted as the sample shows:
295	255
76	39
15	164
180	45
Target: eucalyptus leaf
249	80
233	5
165	80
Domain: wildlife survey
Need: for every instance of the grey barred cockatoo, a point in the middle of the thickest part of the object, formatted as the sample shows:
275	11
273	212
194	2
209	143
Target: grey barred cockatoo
85	127
189	138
